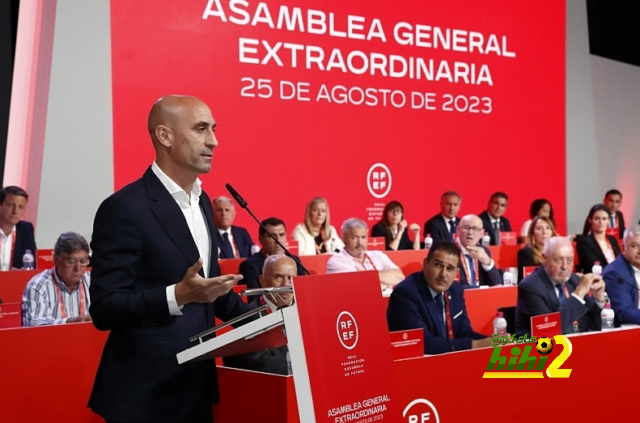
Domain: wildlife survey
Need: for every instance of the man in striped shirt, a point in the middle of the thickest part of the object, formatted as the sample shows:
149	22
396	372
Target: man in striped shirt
60	295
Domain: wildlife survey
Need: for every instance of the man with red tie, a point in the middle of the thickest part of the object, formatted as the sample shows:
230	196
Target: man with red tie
429	300
234	241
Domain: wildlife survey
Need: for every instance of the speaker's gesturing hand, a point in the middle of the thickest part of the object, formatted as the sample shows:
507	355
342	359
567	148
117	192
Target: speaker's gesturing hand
195	289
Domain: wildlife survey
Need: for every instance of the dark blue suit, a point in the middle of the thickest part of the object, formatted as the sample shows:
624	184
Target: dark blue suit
142	244
25	240
242	240
411	306
490	278
622	290
505	226
537	295
437	227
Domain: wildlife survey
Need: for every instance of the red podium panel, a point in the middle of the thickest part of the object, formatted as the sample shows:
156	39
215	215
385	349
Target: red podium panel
376	243
410	261
10	315
316	264
230	266
346	350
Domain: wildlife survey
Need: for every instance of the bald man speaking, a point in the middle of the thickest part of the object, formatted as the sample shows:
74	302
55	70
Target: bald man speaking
156	280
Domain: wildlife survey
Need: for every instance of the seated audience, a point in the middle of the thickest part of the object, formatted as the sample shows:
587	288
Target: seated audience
540	230
354	257
613	200
622	278
316	235
554	287
493	219
443	225
251	268
393	227
429	300
597	246
234	241
476	267
16	235
60	295
278	271
539	207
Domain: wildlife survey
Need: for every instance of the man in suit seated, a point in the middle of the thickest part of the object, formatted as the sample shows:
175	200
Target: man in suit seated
354	257
443	225
16	235
429	300
251	268
493	220
234	241
278	271
553	287
60	295
622	279
476	266
613	200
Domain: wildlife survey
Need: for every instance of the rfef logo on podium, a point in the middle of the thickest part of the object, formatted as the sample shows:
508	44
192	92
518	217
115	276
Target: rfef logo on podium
420	410
347	330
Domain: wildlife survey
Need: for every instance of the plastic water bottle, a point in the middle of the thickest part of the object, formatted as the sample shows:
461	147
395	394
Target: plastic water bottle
499	324
486	239
596	269
289	368
607	315
507	278
255	249
27	261
428	242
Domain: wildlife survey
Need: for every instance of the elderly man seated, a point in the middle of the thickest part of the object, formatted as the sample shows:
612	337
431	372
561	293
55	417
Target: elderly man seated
475	266
278	271
60	295
354	257
622	278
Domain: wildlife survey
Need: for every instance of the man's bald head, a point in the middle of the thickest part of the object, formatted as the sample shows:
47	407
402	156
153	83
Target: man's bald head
169	111
470	230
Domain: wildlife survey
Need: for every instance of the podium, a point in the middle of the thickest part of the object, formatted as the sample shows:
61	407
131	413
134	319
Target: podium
333	332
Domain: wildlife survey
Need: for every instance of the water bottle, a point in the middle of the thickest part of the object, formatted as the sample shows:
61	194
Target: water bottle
255	249
486	239
27	261
607	315
596	269
428	242
289	368
507	278
499	324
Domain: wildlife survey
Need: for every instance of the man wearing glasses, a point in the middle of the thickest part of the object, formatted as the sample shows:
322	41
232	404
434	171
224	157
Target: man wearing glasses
60	295
476	266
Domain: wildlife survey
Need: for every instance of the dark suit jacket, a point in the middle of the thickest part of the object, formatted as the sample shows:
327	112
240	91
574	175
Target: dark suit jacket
490	278
142	244
537	295
589	252
505	226
621	225
622	290
437	227
411	306
242	239
379	229
25	240
525	259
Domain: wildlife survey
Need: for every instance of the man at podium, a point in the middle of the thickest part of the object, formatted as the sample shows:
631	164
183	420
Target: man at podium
156	280
278	271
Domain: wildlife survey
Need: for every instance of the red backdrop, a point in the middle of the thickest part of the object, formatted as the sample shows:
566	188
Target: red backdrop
504	133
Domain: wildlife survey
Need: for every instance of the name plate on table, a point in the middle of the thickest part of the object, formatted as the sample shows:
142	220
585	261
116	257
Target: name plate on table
10	315
376	243
407	343
508	238
547	325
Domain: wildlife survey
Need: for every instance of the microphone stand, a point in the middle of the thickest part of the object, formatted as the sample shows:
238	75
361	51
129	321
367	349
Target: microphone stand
242	203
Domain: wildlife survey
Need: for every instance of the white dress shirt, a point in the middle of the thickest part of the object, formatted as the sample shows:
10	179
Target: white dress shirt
193	215
6	242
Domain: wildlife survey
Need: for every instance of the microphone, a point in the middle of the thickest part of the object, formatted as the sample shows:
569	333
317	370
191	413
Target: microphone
242	203
237	197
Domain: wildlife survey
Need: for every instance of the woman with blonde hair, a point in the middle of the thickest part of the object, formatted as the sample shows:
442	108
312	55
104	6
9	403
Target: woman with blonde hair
540	230
316	235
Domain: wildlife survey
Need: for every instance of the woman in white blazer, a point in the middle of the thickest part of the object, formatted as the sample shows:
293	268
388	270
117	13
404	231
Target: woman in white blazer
316	235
